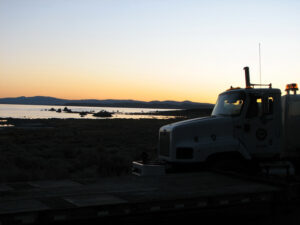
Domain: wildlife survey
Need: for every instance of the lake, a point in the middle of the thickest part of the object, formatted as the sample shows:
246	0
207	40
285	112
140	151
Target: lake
43	112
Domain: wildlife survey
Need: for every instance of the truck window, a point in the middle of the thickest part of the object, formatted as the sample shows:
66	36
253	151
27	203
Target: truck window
259	106
229	104
255	107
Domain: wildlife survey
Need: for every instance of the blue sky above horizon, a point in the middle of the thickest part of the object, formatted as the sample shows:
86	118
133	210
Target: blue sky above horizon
145	50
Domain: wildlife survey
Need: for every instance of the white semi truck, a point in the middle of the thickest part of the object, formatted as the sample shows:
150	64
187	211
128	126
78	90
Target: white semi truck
246	124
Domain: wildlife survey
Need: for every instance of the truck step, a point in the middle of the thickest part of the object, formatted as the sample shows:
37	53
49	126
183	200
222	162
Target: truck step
151	168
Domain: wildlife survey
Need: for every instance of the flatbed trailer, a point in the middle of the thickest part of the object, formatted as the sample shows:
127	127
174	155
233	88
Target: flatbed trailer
63	201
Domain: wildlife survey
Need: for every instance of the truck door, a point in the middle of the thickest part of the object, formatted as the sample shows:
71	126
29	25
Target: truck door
259	128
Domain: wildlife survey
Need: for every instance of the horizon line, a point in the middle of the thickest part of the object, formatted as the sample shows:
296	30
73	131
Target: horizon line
102	99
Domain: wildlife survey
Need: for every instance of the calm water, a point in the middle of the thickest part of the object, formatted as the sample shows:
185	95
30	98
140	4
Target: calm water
42	112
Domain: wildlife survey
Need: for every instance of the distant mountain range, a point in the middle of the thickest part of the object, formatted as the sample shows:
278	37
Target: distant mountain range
42	100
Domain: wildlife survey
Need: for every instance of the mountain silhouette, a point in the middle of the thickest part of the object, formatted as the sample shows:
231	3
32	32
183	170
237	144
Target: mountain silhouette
44	100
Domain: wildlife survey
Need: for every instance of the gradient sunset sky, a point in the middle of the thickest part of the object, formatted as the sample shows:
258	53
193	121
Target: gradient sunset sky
145	49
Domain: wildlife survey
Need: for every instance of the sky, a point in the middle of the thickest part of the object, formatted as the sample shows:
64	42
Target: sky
145	49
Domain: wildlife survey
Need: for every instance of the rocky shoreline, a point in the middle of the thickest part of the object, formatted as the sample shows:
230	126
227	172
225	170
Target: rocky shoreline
102	113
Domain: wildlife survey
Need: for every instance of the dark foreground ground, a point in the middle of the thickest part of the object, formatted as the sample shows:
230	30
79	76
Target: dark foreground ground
82	148
74	148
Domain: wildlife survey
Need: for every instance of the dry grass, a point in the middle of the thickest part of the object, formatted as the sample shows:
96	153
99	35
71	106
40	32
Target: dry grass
77	148
58	149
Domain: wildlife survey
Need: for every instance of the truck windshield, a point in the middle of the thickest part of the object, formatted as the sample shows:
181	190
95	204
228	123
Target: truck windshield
229	104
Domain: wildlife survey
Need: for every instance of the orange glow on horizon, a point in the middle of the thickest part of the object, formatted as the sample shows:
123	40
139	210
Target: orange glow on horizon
71	84
104	91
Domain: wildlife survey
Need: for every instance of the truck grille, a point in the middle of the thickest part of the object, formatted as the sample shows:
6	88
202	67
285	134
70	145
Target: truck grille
164	143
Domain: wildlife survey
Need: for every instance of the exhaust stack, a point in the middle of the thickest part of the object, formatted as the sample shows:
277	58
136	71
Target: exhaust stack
247	77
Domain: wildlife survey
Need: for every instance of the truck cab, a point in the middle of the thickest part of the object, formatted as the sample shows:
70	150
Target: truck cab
245	122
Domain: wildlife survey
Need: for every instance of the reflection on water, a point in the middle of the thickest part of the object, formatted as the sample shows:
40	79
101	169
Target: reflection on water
6	125
43	112
3	123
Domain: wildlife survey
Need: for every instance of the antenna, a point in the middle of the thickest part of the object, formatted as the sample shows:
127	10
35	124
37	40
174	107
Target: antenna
259	56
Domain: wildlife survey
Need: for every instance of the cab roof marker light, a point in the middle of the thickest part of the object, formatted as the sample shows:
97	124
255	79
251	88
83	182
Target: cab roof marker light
291	87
